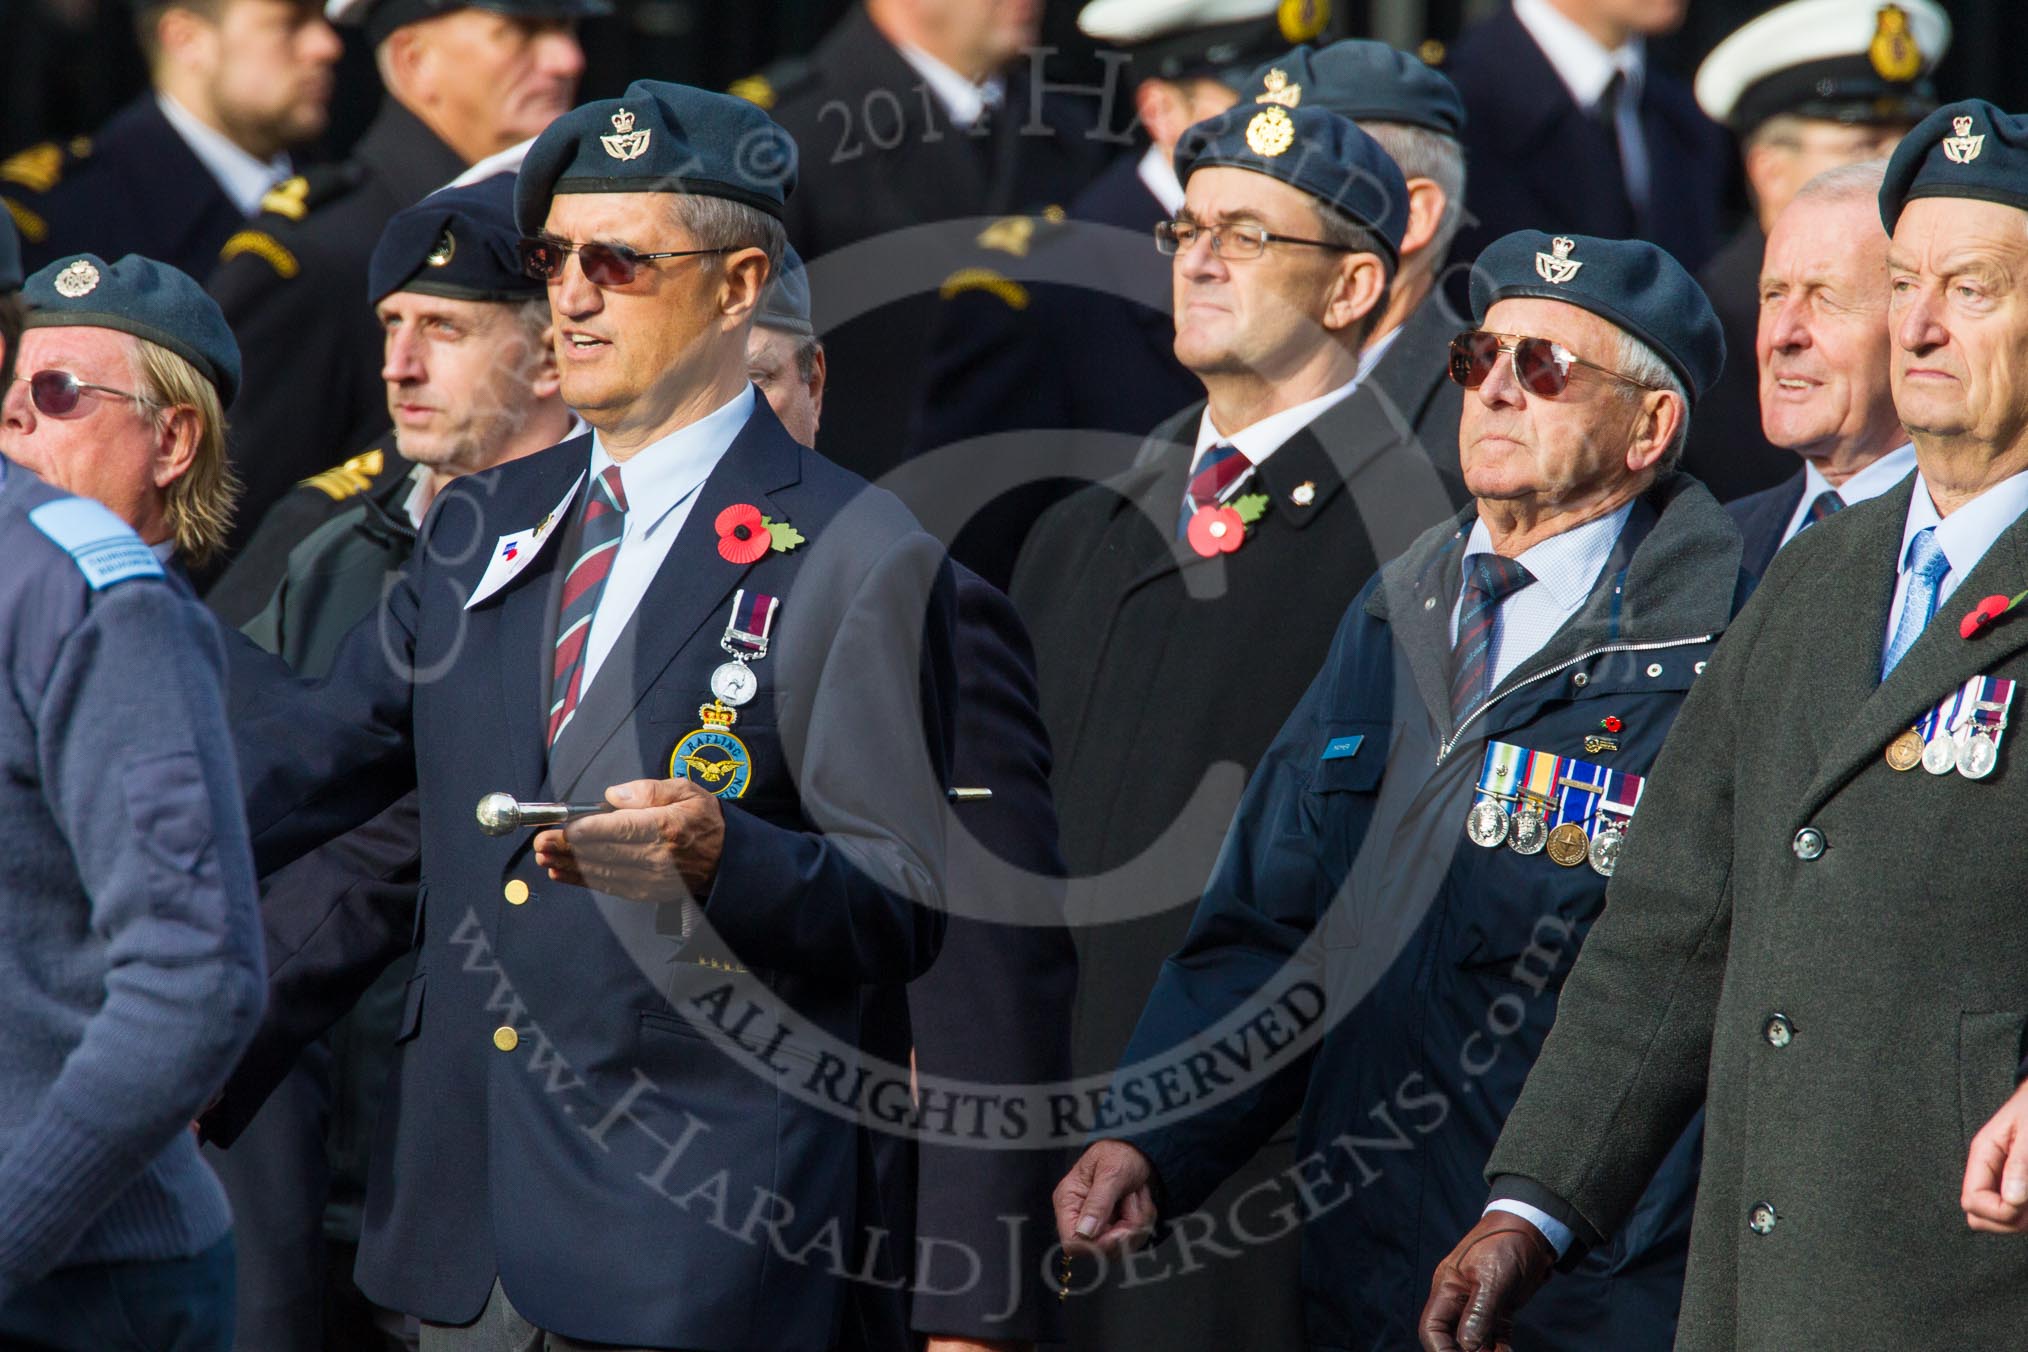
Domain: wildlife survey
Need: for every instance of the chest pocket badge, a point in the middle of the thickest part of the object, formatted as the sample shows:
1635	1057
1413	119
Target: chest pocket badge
711	757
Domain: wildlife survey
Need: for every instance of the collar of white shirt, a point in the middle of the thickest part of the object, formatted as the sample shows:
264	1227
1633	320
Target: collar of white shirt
241	177
964	102
1158	173
1966	534
1871	482
1267	436
1567	564
668	471
1585	67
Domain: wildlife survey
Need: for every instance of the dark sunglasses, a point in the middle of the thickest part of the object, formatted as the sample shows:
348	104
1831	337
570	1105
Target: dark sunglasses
56	393
1542	366
603	264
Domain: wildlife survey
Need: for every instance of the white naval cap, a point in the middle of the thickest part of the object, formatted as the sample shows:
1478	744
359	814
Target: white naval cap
1857	61
1173	39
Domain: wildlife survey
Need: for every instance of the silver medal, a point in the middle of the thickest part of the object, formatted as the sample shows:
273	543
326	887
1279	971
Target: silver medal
734	682
1978	756
1605	849
1940	754
1486	823
1528	835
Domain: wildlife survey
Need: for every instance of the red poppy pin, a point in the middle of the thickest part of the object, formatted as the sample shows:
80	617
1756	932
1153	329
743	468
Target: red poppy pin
1986	613
1222	529
744	534
1611	723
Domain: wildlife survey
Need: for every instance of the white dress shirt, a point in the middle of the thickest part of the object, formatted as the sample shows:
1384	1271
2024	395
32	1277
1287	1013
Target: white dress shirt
1565	568
242	178
661	484
1871	482
1158	174
963	101
1267	436
1586	68
1965	536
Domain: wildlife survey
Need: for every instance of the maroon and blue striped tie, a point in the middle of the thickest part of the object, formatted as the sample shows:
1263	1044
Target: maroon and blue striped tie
1489	580
1821	506
1221	466
605	520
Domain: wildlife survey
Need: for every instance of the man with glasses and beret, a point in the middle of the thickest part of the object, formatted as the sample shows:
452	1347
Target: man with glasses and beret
1811	933
1179	608
130	959
736	660
1424	848
465	79
126	371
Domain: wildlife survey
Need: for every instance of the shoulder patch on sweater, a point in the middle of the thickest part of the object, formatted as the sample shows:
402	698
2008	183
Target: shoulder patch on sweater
104	548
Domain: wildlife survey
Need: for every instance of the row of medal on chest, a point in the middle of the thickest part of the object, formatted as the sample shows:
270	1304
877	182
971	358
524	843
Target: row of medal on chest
1961	733
1536	802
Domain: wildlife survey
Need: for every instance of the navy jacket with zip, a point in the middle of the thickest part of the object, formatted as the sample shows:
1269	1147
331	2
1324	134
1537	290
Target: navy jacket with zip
1358	958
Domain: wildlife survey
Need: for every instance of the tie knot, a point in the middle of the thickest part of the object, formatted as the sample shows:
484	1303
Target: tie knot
1495	576
1926	558
617	491
1215	472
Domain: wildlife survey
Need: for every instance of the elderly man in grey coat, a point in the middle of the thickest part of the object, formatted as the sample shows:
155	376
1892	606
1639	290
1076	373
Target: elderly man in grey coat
1813	929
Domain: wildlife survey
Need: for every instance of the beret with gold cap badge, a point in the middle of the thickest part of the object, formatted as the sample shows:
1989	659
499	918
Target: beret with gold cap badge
458	242
1967	149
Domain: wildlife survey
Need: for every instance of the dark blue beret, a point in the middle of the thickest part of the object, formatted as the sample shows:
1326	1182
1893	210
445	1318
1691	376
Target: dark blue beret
10	255
460	243
1363	80
787	302
139	296
381	17
1969	149
1313	149
1629	282
659	137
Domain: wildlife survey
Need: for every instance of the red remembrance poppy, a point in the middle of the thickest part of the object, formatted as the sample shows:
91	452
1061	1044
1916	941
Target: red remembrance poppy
1610	723
1216	530
742	537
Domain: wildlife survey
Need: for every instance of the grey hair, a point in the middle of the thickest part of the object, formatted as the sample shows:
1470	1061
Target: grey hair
1845	182
721	223
1640	362
1421	153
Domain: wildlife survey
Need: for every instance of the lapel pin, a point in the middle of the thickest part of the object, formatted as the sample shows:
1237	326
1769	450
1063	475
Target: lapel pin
1986	613
1303	494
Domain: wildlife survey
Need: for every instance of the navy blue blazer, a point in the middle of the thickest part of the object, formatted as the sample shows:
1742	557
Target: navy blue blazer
1534	160
1762	517
136	188
673	1089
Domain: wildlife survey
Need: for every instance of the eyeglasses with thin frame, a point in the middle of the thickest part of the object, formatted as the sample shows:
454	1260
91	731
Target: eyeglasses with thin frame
1233	243
1540	365
56	394
605	265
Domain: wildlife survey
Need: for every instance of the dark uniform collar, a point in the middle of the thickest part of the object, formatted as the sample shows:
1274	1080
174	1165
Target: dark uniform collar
405	154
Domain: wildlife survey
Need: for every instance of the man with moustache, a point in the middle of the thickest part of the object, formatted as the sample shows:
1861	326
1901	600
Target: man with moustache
464	81
1823	353
1801	936
234	85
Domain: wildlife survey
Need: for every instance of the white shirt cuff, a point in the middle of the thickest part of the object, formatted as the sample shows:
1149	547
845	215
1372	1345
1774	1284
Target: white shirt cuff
1555	1231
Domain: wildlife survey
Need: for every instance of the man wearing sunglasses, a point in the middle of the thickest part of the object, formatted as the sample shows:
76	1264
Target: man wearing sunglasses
1811	933
1418	859
130	969
464	79
128	411
745	652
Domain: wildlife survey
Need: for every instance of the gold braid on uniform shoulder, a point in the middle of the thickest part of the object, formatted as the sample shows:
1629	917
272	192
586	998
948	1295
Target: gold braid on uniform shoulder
263	246
40	167
32	227
350	479
764	89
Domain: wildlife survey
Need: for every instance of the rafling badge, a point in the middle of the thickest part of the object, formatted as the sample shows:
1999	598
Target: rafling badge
711	757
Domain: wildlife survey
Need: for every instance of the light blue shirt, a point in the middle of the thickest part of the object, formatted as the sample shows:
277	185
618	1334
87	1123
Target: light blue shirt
1871	482
661	484
1965	536
1565	568
240	176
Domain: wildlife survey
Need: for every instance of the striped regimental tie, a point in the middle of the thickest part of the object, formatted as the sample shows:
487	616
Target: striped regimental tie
1217	470
1821	506
1489	580
605	520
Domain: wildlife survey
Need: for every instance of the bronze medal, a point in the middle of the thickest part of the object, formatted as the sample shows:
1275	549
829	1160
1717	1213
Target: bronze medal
1568	845
1905	752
